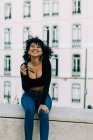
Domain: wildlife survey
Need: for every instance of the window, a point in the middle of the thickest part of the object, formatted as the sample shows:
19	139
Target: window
50	7
7	10
7	92
26	35
55	7
27	8
7	65
54	93
55	36
54	64
7	38
46	7
76	93
76	6
76	35
46	34
76	65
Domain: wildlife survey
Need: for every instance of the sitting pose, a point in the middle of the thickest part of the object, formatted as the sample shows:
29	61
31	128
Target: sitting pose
36	78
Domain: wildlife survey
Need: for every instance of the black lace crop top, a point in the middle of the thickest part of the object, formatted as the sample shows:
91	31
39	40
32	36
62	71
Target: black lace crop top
44	80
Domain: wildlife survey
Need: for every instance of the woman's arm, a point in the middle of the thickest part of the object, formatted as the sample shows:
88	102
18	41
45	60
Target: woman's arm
47	74
24	79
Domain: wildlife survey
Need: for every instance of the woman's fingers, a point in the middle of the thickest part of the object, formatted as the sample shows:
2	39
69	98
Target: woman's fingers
43	107
23	69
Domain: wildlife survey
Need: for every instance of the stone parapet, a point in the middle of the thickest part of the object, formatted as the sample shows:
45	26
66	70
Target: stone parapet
65	123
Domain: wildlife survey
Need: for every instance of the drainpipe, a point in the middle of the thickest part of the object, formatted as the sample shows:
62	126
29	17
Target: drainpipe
85	80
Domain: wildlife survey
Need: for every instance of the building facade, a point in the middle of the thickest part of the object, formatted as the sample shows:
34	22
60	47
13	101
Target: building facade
66	26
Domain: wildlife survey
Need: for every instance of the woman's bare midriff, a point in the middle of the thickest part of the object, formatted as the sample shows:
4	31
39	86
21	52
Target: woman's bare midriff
37	88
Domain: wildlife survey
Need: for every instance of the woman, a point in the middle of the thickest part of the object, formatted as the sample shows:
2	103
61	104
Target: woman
36	78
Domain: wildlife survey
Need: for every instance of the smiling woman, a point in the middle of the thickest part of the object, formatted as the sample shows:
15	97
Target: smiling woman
36	78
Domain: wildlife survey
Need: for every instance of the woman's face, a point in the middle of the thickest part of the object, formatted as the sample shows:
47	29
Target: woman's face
35	50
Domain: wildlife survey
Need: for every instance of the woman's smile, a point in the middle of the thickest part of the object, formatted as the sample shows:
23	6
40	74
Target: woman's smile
35	50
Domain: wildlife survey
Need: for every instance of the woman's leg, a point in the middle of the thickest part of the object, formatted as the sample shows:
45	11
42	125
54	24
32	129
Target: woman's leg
44	120
29	107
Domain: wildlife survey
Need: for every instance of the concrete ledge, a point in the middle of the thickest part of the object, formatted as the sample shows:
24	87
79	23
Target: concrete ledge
75	124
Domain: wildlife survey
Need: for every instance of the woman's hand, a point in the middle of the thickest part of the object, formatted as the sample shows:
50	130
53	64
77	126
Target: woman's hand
43	107
23	69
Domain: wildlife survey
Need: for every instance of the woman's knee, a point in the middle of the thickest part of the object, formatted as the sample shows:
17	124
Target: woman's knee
48	102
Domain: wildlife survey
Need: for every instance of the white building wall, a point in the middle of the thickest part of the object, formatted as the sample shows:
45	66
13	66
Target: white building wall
64	20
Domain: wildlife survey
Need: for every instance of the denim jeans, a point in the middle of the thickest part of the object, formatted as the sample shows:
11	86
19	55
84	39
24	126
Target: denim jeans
30	102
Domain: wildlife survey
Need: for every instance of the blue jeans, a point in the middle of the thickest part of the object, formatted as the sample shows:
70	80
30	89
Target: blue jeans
30	102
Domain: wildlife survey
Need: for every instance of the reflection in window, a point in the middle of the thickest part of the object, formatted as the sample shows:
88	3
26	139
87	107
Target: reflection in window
76	93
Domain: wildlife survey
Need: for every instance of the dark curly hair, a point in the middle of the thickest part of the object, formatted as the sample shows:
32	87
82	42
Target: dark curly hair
47	51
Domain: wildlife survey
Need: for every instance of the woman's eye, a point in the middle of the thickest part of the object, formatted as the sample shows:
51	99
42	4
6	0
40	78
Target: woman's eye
32	46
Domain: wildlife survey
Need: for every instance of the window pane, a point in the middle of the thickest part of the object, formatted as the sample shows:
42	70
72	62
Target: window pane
55	36
76	92
27	7
7	92
76	35
7	67
76	6
7	38
54	63
54	91
26	34
55	7
76	65
46	7
46	35
7	10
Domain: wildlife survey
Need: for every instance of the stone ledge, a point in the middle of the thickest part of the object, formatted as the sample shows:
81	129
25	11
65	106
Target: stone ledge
75	124
56	114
